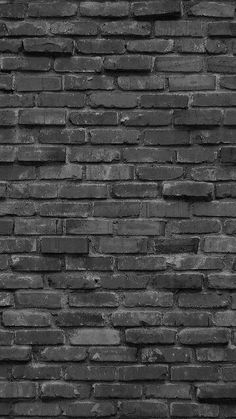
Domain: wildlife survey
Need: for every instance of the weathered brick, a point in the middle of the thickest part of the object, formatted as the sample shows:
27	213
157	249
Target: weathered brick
42	117
128	63
48	46
64	245
212	9
52	9
95	337
184	28
145	408
179	64
194	410
192	82
124	28
188	190
107	9
71	28
198	117
203	336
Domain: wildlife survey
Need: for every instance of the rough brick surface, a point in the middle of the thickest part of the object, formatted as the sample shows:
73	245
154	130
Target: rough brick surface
117	209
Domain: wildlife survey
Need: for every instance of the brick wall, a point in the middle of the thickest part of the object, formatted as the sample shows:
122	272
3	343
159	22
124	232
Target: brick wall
118	211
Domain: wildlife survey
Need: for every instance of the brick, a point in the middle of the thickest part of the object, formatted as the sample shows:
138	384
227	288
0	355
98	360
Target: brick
39	337
138	190
64	245
36	408
95	191
65	354
214	99
98	155
141	82
35	263
179	64
195	319
13	11
58	390
213	9
95	337
142	373
228	82
96	118
142	155
150	336
98	299
203	300
222	245
8	118
17	390
165	209
184	28
113	100
83	82
78	64
90	373
121	245
136	318
6	82
208	392
36	83
52	9
109	173
194	372
117	391
159	8
168	391
146	118
223	28
144	408
110	354
221	64
71	28
197	117
26	63
42	117
100	46
70	100
190	46
128	63
62	136
192	82
180	245
88	409
229	118
124	28
194	410
73	318
203	226
166	137
42	299
41	154
148	299
26	319
145	263
107	9
48	46
160	46
196	155
188	190
203	336
159	172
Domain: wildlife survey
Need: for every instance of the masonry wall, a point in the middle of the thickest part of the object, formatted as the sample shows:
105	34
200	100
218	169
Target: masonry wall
118	211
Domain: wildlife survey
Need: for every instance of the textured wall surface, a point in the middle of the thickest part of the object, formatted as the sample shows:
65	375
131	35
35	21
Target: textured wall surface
118	211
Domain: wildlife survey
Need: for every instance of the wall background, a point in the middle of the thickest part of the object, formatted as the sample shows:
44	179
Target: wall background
118	211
